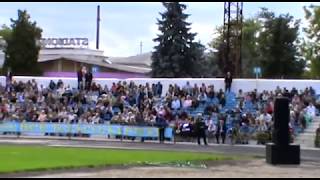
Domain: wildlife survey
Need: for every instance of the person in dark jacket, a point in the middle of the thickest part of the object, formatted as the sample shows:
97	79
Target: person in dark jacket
159	89
228	81
221	130
201	129
88	77
52	85
161	124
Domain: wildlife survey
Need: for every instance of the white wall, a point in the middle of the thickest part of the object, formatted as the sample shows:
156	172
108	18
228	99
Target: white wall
244	84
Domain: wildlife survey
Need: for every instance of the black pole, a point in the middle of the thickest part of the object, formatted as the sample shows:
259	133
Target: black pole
98	27
229	63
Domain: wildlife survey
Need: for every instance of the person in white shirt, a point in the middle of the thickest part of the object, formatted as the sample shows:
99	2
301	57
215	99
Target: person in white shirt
188	102
175	104
265	117
240	94
311	110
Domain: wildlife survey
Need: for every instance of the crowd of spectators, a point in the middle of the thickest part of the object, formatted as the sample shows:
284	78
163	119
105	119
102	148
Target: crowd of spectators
133	104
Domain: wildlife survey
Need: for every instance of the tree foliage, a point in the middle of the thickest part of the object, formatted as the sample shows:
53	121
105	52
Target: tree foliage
277	46
311	46
22	50
269	42
249	48
176	55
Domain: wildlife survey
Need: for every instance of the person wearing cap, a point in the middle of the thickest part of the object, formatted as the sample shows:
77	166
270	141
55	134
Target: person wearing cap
201	129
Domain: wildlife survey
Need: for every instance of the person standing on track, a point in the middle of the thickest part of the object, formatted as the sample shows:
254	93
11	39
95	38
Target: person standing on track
201	128
161	124
221	130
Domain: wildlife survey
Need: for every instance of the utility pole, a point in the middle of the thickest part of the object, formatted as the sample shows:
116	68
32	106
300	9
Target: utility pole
140	47
98	27
232	37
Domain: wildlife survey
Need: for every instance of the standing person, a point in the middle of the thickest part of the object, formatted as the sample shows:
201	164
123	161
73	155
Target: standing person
221	131
162	124
201	129
159	89
9	80
88	80
82	78
228	81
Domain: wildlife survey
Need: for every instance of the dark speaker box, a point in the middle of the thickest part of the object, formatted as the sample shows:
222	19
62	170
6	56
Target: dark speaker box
283	154
281	122
280	151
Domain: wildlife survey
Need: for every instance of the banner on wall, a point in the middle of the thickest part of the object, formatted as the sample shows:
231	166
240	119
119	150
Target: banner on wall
91	129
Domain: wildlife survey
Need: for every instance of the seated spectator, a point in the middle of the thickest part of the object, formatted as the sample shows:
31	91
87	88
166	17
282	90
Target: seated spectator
42	116
265	117
211	93
175	104
240	95
311	110
202	97
188	102
222	101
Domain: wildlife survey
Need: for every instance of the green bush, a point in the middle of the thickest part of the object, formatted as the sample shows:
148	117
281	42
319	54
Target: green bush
263	137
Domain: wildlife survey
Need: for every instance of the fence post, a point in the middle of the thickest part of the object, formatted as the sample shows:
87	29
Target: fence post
121	138
174	136
69	134
18	124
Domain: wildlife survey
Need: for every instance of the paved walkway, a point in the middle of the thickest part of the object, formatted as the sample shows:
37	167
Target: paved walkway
307	138
243	169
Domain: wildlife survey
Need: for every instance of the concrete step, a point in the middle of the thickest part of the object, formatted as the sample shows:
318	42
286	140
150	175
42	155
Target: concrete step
314	125
311	131
307	134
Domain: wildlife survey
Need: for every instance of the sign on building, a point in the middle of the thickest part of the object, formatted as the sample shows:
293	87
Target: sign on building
64	42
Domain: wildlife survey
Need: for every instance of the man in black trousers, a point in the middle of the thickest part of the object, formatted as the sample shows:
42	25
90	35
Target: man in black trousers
221	130
201	129
89	78
161	124
228	81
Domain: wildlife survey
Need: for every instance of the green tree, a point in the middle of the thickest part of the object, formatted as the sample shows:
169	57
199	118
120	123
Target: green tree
176	55
22	50
5	32
215	56
311	47
249	47
278	48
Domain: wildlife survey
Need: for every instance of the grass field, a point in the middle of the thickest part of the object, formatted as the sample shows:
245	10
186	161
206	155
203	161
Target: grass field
16	158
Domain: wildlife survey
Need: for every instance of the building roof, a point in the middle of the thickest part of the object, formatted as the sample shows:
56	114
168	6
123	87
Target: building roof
138	60
135	64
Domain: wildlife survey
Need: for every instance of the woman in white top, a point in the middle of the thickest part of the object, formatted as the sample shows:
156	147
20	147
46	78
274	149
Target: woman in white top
188	102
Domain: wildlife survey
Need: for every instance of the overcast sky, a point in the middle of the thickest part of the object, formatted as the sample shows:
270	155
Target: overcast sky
124	25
